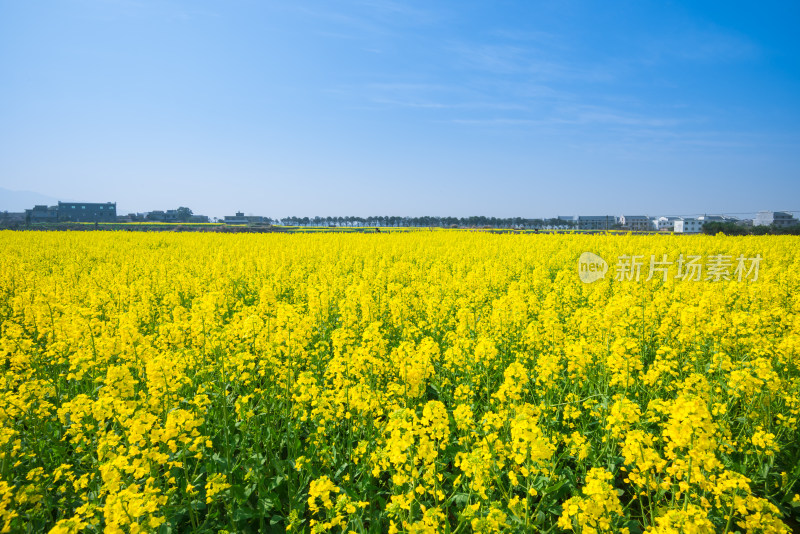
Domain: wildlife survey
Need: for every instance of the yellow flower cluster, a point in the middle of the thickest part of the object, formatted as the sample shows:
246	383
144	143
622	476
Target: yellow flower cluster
395	382
598	508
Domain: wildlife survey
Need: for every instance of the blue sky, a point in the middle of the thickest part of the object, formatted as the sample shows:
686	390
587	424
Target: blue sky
367	107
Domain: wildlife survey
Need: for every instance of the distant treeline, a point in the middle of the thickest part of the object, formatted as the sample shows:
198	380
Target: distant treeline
427	221
730	228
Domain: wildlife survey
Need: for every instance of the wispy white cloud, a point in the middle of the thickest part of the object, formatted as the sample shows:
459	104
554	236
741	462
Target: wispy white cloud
591	114
528	36
529	61
361	19
432	96
643	143
539	82
402	10
137	9
469	105
340	24
700	45
502	122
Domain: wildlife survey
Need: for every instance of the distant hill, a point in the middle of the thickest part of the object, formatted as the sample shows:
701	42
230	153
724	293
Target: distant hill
22	200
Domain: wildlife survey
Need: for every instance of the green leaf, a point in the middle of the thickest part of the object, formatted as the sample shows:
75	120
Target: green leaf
243	514
554	487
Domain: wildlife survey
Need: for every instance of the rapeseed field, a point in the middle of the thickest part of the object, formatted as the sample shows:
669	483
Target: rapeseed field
441	381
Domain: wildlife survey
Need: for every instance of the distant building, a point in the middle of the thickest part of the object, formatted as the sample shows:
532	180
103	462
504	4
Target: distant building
596	222
718	218
694	225
87	211
665	224
776	218
132	217
688	225
12	218
235	219
174	216
636	222
41	214
169	216
241	218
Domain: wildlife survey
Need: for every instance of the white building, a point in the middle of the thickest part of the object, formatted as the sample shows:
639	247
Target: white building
688	225
694	225
636	222
596	222
777	218
665	224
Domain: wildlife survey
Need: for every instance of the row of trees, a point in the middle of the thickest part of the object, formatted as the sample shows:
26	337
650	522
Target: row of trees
182	214
426	221
730	228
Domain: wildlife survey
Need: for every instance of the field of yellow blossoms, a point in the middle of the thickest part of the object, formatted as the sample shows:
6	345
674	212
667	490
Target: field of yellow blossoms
433	381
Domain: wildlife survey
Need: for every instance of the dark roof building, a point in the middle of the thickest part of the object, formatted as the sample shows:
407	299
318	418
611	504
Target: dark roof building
596	222
87	211
169	216
41	213
241	218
